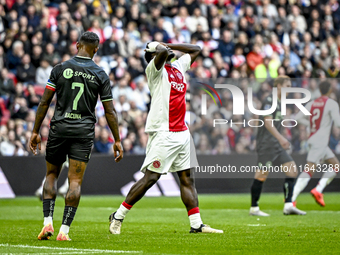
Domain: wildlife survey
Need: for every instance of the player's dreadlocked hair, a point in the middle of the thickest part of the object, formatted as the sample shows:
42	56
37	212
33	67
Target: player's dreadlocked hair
89	38
324	87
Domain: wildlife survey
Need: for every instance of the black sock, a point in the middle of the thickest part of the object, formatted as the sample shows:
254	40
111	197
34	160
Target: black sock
256	189
69	213
288	189
48	207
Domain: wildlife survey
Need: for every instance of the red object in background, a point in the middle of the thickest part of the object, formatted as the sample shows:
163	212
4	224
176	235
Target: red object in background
13	77
253	60
6	114
39	90
100	34
194	65
231	136
110	139
10	3
133	85
53	11
52	18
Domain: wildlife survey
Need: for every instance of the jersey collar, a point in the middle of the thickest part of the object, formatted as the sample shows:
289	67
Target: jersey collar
83	57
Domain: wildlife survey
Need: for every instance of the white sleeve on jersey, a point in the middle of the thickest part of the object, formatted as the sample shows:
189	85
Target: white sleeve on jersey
304	119
334	110
152	73
184	62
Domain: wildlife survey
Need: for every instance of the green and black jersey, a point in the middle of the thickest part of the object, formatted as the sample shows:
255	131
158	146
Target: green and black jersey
265	141
77	83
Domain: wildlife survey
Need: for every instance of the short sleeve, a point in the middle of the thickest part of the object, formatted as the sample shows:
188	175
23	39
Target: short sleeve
185	62
52	81
105	89
152	72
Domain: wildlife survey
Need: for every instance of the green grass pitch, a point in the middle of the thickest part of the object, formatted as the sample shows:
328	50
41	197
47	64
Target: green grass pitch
160	226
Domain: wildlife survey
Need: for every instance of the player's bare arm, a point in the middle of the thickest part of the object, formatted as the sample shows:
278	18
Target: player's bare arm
268	120
40	115
191	49
160	52
112	121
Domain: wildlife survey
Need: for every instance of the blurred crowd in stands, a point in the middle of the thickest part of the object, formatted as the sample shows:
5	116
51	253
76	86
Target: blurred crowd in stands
239	39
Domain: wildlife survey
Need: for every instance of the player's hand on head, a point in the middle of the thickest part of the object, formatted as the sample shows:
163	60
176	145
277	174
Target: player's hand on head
285	143
118	151
34	142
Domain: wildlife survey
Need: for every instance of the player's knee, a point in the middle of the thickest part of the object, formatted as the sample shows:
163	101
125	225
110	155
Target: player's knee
49	192
186	180
75	178
151	179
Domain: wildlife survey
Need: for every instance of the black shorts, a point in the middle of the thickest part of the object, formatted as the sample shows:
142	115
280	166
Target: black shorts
75	148
273	159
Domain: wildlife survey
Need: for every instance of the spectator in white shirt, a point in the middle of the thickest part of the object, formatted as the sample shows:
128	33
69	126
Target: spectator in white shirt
43	72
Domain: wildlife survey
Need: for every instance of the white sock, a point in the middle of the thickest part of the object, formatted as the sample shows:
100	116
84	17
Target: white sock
325	180
288	204
121	212
300	184
48	220
65	229
195	220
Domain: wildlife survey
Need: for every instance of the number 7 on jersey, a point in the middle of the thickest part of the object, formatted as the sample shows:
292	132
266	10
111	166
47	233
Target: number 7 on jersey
81	91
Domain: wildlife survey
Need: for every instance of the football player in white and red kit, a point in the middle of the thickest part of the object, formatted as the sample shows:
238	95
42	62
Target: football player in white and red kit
324	112
170	147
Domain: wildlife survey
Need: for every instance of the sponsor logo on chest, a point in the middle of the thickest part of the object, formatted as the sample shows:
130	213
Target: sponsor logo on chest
176	81
177	86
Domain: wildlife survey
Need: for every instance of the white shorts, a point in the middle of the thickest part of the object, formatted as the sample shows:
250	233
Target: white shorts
169	152
317	155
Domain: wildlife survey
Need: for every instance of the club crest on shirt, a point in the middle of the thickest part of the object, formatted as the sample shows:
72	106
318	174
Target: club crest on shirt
156	164
179	75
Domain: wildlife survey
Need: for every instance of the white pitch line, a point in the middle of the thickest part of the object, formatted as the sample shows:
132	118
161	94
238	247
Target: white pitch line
67	249
256	225
222	209
62	252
